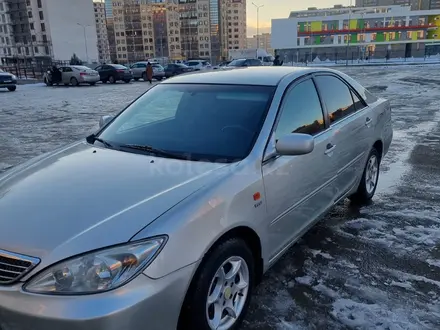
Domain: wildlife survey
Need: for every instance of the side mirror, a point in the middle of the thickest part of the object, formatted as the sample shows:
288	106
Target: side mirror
104	121
295	144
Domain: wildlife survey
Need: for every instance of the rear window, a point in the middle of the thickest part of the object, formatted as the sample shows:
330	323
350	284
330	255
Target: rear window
118	66
81	67
363	92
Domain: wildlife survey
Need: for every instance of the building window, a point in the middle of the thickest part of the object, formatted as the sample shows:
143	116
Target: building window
43	27
46	48
29	14
39	3
32	26
41	15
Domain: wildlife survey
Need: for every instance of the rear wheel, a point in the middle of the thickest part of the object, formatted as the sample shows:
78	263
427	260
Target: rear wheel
74	81
112	79
220	292
12	88
144	76
370	177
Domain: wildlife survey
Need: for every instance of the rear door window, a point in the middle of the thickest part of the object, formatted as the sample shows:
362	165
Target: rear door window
336	96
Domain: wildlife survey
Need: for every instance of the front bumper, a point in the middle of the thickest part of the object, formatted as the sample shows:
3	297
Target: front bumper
12	83
143	303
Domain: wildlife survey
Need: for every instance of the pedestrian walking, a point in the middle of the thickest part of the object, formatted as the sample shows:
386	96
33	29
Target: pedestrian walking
150	72
277	62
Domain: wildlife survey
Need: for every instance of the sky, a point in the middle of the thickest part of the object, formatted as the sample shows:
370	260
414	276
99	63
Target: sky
280	9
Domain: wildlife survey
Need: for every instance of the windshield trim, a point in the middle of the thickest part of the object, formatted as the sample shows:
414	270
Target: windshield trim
201	157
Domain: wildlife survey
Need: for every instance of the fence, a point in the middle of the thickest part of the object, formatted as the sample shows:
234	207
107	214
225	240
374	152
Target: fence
30	70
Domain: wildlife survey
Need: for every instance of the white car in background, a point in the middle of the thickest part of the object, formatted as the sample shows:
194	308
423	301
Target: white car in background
198	65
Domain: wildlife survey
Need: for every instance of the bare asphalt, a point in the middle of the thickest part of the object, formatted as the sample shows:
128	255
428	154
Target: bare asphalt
376	267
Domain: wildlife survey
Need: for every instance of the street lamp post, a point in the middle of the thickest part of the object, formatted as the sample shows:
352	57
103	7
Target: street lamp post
349	34
85	39
258	22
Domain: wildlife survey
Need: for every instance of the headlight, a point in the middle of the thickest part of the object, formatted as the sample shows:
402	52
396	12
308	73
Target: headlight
14	77
97	271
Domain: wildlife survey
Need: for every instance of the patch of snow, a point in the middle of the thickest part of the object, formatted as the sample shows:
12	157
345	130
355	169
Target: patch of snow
404	285
305	280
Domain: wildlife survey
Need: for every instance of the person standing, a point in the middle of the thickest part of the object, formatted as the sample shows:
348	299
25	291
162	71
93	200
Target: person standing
277	61
150	72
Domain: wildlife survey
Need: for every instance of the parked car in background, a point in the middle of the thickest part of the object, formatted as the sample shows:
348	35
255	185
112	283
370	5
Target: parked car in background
114	72
169	215
222	65
174	69
8	80
73	75
244	62
139	70
198	65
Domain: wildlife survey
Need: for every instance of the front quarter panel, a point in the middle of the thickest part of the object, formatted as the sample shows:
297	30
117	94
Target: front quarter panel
198	222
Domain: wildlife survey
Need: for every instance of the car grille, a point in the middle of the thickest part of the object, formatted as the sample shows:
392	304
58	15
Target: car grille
5	78
13	266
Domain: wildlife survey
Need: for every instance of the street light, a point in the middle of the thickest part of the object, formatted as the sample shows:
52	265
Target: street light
349	34
258	22
85	39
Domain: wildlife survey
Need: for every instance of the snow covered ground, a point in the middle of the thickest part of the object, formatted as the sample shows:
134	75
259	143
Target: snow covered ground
377	267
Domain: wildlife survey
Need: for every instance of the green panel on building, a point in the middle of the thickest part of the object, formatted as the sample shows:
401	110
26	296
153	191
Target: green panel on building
317	40
396	36
354	38
380	37
301	27
361	24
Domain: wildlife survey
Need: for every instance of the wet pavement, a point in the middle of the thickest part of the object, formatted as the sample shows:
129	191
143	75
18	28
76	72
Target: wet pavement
375	267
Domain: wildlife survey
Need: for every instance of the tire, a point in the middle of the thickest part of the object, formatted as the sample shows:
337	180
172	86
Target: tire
127	81
144	76
370	177
12	88
112	80
74	81
136	79
196	310
92	84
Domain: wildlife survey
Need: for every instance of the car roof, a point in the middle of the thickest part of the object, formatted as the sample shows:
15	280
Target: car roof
261	75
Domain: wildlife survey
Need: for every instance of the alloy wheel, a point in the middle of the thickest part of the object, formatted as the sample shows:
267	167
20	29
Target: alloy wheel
371	174
227	294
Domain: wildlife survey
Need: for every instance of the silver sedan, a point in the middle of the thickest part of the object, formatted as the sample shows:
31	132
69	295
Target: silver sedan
168	216
74	75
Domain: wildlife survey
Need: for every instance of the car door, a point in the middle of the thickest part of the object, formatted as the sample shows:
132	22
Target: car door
350	129
140	68
67	74
298	188
100	71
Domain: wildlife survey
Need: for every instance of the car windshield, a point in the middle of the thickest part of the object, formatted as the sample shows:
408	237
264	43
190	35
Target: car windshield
217	123
1	70
237	63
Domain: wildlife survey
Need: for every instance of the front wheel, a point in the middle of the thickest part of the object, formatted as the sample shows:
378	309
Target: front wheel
220	292
12	88
112	80
370	177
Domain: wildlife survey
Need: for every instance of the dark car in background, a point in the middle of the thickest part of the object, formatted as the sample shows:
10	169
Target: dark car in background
244	62
174	69
114	72
8	80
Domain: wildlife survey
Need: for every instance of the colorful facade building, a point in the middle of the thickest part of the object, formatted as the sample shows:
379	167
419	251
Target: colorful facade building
357	33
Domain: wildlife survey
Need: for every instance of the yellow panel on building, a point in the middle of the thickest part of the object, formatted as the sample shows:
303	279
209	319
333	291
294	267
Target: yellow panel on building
414	35
316	26
353	24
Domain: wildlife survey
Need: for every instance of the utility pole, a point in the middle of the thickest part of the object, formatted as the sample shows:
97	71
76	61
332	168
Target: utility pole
85	39
258	23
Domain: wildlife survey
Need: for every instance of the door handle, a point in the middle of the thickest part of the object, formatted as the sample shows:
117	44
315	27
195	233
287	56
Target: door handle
330	148
368	122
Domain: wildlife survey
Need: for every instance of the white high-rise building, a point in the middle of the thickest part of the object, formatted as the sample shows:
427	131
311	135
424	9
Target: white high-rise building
101	31
47	29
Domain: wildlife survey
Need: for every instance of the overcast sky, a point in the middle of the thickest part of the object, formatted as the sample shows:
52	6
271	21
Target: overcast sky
281	9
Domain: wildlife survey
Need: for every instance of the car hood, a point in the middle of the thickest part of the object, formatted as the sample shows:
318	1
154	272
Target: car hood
83	197
5	74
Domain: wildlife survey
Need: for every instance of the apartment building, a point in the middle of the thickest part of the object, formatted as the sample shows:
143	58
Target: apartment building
235	13
101	31
261	41
415	4
146	29
40	30
387	31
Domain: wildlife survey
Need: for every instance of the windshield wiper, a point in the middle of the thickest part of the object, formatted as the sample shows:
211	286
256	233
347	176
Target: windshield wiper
156	151
92	138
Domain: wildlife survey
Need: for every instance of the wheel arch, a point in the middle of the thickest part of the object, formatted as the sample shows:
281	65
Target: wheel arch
378	145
